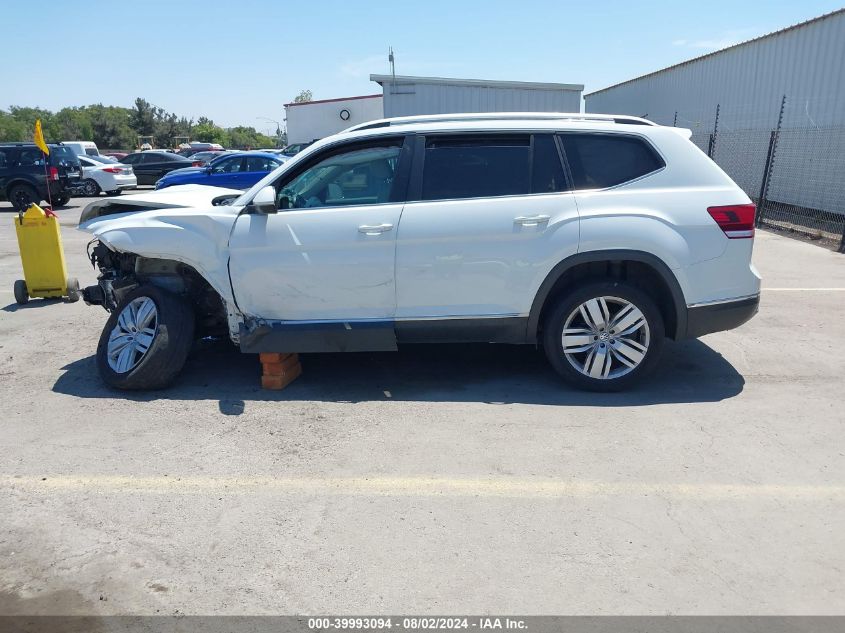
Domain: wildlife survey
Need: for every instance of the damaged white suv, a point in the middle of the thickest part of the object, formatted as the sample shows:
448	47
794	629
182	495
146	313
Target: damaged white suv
594	236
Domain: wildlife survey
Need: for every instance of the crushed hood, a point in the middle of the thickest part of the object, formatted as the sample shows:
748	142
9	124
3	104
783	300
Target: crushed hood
182	196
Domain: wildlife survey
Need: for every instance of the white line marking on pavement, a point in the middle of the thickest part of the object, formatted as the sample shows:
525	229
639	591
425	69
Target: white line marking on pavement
803	289
417	487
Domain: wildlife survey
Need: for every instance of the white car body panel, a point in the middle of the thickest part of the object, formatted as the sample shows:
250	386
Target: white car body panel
494	250
316	264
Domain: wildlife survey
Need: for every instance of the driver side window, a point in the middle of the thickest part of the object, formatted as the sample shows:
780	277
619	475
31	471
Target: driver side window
357	177
227	166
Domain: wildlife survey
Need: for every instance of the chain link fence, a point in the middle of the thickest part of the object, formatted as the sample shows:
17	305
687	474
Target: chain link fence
793	169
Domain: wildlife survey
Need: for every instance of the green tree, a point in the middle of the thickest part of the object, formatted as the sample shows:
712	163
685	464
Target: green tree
303	97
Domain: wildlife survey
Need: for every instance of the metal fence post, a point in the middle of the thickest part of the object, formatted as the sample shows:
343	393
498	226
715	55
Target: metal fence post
767	172
711	149
675	122
770	161
842	242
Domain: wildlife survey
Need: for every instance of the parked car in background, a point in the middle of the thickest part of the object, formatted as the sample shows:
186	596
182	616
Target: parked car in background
294	148
116	155
197	146
100	173
201	159
82	148
24	177
240	170
150	165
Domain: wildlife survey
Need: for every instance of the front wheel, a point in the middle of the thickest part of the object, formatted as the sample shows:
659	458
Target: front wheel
146	340
114	192
605	336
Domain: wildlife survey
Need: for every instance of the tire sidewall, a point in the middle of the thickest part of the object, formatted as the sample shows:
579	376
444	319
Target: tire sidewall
33	196
170	347
553	332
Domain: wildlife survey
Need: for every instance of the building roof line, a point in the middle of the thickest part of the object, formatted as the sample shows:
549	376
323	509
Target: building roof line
483	83
301	103
718	52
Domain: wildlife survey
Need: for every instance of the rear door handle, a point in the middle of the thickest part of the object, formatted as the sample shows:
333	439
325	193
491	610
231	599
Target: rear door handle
374	229
531	220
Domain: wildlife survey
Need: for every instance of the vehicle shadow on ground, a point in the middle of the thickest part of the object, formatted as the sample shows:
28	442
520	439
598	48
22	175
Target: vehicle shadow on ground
33	303
689	372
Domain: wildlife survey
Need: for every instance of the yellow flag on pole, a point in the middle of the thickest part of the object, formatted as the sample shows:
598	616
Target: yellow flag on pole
39	138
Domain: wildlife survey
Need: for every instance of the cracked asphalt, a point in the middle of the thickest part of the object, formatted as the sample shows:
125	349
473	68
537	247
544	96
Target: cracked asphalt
453	479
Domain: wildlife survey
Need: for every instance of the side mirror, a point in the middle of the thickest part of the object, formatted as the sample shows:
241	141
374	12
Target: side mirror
208	169
265	200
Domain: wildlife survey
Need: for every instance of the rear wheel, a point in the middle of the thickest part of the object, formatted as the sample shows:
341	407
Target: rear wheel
605	336
62	200
146	340
21	292
21	196
90	188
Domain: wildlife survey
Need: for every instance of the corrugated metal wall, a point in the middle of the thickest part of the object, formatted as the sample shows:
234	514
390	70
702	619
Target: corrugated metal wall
806	63
406	99
747	83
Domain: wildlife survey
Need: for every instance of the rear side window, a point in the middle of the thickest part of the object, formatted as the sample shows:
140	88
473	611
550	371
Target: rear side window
604	160
476	167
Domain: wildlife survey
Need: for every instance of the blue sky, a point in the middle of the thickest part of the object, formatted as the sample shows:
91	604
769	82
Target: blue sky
235	61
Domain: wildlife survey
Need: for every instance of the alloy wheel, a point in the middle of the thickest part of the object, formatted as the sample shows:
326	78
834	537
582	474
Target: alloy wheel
606	337
133	335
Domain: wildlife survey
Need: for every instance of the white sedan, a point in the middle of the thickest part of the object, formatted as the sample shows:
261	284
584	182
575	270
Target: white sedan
100	173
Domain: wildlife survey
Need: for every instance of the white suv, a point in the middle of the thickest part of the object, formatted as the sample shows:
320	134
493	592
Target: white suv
594	236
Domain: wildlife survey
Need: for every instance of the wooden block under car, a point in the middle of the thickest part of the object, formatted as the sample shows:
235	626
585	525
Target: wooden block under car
280	382
279	368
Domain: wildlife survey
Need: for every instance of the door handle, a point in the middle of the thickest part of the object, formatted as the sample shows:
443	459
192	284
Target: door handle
374	230
531	220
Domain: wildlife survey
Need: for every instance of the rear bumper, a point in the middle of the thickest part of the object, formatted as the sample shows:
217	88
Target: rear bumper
717	317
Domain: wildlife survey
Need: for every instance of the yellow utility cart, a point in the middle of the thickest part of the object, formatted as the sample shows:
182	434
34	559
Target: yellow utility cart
43	258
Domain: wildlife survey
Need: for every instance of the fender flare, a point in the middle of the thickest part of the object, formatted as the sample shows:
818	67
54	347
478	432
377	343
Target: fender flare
611	255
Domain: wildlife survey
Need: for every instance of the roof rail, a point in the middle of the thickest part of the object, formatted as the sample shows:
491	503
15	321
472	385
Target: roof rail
499	116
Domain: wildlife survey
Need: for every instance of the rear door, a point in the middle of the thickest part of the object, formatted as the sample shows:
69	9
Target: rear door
255	168
491	215
227	172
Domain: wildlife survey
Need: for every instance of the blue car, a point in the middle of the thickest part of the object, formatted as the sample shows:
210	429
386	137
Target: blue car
234	171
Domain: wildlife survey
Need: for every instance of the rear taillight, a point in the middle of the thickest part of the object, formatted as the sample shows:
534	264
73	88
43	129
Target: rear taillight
54	173
736	220
114	170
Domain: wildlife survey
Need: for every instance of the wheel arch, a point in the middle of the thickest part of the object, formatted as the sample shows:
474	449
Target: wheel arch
647	271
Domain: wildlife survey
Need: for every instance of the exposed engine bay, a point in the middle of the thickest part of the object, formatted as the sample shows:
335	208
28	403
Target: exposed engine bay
120	273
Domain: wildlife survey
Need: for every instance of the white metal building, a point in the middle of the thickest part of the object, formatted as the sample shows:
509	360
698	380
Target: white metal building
805	62
313	120
407	96
732	99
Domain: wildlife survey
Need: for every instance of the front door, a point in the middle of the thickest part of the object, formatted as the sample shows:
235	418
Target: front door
328	254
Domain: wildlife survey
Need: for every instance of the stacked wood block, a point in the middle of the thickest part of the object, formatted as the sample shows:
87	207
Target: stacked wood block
279	370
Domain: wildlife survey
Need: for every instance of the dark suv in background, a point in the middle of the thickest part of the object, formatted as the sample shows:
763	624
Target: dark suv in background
25	179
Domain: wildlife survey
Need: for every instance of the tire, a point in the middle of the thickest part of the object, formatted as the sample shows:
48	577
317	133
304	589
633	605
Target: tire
90	188
21	196
62	200
115	192
597	360
21	292
72	289
172	333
